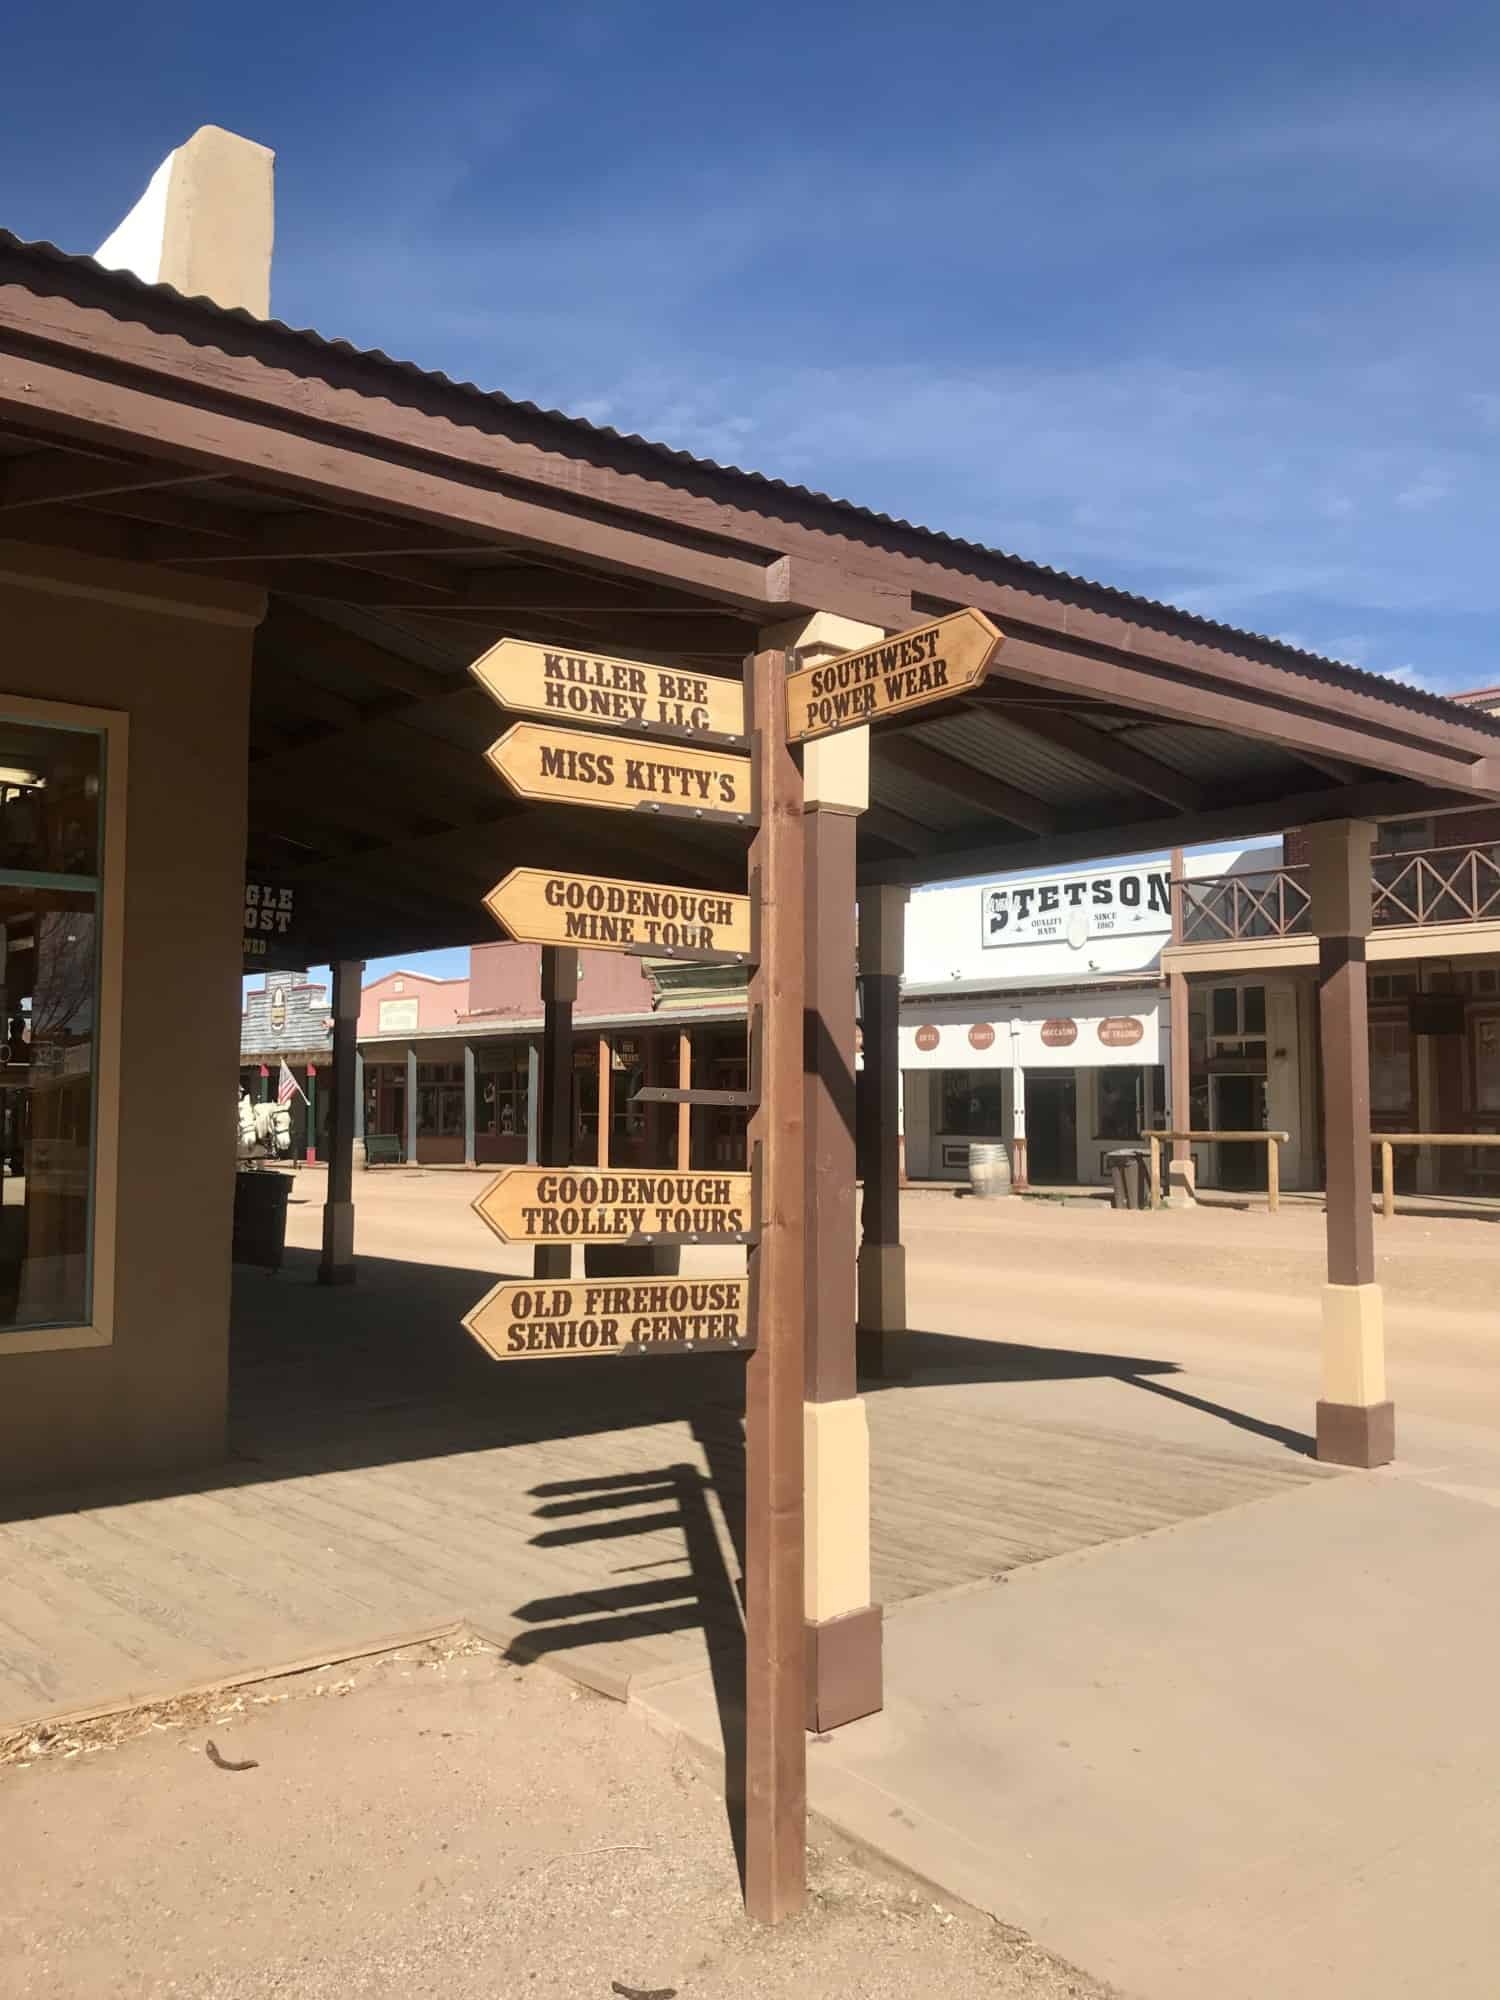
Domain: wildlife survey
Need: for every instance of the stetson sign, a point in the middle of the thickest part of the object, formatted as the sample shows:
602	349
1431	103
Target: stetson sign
1071	909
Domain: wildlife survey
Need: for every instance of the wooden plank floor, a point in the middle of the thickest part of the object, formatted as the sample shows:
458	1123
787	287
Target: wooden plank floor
387	1478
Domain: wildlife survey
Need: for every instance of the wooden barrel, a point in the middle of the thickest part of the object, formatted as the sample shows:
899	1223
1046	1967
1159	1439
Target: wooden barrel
989	1170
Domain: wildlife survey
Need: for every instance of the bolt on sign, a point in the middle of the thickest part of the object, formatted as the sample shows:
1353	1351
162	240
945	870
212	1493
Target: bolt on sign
543	906
622	694
909	670
613	1316
580	1205
578	768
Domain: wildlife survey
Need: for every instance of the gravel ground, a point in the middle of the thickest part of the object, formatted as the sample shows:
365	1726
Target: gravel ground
434	1820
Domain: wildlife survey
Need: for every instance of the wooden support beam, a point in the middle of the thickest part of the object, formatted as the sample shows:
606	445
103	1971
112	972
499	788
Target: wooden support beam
310	535
775	1777
294	633
44	478
898	830
946	774
555	1124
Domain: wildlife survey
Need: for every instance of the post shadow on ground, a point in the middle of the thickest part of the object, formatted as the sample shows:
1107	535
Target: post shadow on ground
709	1596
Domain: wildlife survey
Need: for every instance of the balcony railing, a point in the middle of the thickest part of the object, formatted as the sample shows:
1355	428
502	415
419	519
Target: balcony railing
1433	885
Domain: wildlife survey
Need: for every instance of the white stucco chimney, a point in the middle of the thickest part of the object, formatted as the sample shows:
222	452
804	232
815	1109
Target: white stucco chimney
205	223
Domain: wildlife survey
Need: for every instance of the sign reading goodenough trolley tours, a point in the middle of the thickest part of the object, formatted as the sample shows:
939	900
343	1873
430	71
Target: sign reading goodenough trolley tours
603	1205
909	670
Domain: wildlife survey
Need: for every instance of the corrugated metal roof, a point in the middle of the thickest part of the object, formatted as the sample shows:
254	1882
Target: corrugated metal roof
1294	658
1207	753
988	743
928	804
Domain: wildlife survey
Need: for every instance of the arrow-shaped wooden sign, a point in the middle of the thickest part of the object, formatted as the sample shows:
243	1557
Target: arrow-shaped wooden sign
613	1316
539	761
560	685
551	906
600	1205
910	670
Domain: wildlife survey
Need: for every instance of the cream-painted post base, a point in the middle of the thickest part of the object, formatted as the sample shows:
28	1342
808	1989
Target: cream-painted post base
843	1627
337	1266
881	1320
1356	1421
1182	1184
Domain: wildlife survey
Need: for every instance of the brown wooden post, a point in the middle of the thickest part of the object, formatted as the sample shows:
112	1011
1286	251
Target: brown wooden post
844	1677
775	1682
1181	1178
337	1264
882	1259
1356	1421
555	1126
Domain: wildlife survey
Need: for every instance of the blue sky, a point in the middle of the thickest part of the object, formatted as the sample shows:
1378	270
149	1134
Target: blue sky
1200	301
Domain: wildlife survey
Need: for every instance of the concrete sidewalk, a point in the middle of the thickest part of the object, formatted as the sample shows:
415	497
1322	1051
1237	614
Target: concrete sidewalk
1253	1754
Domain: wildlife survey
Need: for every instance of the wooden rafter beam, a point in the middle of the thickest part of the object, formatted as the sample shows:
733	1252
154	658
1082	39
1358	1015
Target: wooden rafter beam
294	634
1103	751
45	478
898	830
996	798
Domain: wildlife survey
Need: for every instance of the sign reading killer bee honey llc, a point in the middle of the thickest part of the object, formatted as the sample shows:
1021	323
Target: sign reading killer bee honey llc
554	683
545	906
581	1205
532	1322
578	768
910	670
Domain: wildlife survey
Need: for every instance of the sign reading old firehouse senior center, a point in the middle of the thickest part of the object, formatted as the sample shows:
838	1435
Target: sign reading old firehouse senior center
550	681
575	766
532	1322
547	906
588	1205
910	670
1071	909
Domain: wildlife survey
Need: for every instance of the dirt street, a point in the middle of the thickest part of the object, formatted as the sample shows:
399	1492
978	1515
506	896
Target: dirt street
437	1822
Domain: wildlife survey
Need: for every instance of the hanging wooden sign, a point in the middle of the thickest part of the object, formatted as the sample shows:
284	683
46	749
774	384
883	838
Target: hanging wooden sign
557	684
546	906
613	1316
573	766
909	670
588	1205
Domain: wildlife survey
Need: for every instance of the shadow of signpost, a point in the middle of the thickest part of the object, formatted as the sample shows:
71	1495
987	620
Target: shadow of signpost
707	1595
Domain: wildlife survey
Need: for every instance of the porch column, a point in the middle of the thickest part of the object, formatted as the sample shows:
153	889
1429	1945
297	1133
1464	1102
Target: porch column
468	1104
1019	1174
842	1625
411	1106
533	1103
345	1120
882	1260
1182	1189
555	1124
359	1106
1356	1420
310	1113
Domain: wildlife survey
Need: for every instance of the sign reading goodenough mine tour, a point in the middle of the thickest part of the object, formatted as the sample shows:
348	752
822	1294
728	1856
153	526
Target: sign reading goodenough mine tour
910	670
553	682
578	768
546	906
585	1205
612	1316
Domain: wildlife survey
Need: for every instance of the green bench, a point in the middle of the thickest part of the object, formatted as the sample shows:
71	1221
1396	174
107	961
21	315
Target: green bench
382	1149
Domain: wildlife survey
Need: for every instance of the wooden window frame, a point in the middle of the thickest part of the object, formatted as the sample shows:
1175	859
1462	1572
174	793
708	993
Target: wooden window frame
114	726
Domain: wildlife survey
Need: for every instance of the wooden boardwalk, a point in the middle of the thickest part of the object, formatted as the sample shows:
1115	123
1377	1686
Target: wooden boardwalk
387	1479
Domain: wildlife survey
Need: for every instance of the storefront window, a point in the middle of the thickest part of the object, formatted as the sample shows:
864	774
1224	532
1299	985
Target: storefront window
1122	1106
440	1100
1390	1068
972	1102
51	795
1487	1064
504	1092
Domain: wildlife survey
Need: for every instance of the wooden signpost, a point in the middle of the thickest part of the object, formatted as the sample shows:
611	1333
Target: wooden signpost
554	1206
910	670
614	1316
582	1205
551	906
563	685
540	761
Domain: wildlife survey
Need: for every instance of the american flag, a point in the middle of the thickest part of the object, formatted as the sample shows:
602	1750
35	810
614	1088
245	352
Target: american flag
287	1086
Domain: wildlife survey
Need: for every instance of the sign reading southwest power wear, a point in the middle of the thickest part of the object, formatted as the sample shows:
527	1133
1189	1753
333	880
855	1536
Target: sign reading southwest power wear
1071	909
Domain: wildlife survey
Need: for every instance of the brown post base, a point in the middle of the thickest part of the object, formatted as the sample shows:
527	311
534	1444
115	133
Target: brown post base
880	1355
335	1274
336	1266
1358	1434
844	1679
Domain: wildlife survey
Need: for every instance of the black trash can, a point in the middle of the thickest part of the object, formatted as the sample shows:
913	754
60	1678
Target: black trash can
260	1201
1129	1177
